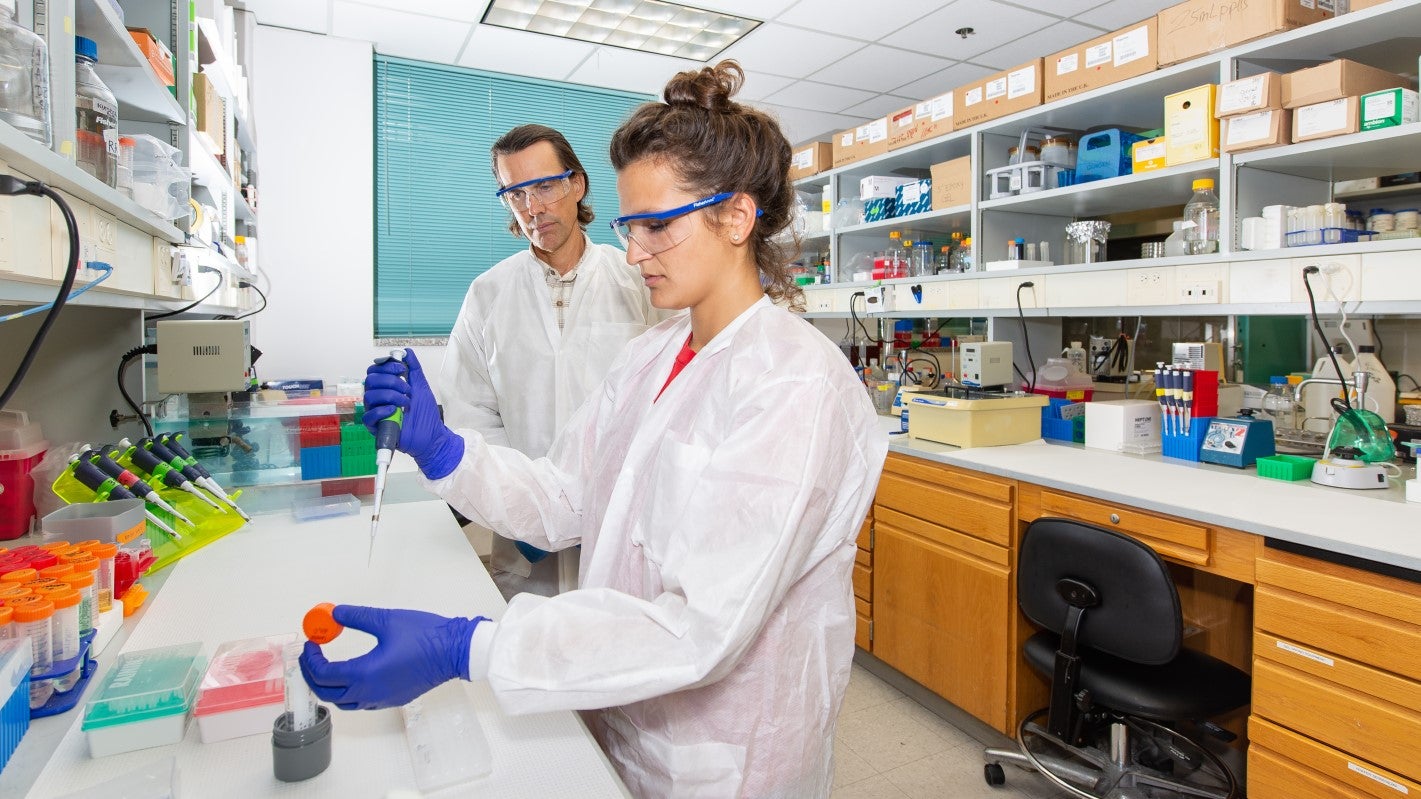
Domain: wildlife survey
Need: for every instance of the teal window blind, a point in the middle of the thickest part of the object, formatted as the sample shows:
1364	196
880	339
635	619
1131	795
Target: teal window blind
437	224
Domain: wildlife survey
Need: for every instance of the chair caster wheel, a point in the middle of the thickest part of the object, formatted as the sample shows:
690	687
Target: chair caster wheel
994	774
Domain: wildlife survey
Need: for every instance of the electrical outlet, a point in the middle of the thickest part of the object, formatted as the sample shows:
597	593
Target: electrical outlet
819	300
1205	293
1148	287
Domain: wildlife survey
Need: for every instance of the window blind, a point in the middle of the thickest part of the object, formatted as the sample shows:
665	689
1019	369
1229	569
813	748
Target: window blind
437	224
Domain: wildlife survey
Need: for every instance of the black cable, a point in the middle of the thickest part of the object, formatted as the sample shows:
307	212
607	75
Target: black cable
1378	336
189	306
12	185
253	287
1025	284
853	313
937	367
1317	325
128	357
1409	377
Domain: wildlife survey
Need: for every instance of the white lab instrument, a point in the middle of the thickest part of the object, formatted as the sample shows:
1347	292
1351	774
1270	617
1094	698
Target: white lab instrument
203	355
986	363
974	418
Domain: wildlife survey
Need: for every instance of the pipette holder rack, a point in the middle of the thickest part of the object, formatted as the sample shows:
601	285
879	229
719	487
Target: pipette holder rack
1058	429
1185	446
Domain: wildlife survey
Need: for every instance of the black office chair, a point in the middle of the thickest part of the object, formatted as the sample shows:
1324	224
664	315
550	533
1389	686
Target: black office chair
1111	647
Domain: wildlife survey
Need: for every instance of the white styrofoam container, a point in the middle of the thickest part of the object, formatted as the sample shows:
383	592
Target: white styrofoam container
255	720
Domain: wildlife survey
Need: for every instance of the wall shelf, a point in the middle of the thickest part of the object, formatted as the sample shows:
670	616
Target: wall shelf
1162	187
124	68
1360	155
946	220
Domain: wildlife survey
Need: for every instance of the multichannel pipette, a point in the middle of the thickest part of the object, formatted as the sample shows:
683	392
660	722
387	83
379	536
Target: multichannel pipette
106	488
174	444
159	470
387	438
129	480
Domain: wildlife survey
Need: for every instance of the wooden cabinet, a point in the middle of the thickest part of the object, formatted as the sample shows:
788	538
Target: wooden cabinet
942	593
863	587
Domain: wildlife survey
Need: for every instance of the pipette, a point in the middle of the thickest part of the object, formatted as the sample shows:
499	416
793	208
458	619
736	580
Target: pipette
106	488
158	470
174	444
129	480
387	437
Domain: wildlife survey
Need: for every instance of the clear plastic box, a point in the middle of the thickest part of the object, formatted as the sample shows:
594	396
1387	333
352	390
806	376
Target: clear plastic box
143	700
243	690
313	508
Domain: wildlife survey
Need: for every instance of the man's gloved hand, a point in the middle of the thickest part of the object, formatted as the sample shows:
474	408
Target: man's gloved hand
416	652
391	384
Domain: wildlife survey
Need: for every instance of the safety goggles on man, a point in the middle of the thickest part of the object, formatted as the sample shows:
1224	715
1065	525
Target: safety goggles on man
659	231
546	190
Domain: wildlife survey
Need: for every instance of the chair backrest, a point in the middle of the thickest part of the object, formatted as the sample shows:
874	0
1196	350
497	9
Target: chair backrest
1138	617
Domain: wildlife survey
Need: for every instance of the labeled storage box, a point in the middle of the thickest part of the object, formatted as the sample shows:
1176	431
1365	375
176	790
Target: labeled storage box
1126	53
160	58
903	128
1147	155
862	142
1324	120
1389	108
1334	81
143	700
1246	95
1197	27
1190	128
914	197
1004	93
880	186
1266	128
211	125
933	116
1105	154
952	183
1125	425
810	160
243	689
985	422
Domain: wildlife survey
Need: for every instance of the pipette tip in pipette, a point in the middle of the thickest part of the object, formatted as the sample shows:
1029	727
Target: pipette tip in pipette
168	531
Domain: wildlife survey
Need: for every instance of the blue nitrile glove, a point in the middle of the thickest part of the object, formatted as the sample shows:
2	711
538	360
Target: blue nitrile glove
416	652
532	553
394	384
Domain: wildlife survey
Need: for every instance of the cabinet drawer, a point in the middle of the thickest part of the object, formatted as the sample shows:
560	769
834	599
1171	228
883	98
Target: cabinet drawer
1360	635
1283	763
866	535
1182	541
863	607
959	479
862	628
863	582
864	558
1351	720
956	510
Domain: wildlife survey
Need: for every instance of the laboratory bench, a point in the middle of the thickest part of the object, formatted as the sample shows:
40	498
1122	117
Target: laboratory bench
259	581
1314	591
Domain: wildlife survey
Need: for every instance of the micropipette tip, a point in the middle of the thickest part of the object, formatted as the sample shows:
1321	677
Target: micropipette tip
168	531
192	489
159	501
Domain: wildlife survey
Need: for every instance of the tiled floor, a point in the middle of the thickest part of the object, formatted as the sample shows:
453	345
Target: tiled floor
890	747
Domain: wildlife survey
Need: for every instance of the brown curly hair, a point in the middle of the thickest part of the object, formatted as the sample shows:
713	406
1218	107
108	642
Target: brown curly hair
716	145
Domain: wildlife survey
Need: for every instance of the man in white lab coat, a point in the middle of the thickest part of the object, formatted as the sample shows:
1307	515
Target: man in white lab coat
540	329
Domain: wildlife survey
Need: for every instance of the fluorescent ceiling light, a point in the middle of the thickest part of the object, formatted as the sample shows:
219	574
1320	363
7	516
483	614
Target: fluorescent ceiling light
652	26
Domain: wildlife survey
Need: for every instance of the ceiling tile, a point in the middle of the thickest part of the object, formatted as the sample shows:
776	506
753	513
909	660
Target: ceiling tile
1066	9
462	10
759	85
818	96
1058	37
792	52
1117	14
751	9
882	105
504	50
995	25
944	81
867	21
305	15
399	34
800	125
880	69
629	70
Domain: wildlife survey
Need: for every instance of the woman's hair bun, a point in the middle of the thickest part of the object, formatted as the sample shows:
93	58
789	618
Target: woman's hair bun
708	87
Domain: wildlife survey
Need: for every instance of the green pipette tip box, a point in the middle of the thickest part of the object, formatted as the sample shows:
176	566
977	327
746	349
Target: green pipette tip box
144	685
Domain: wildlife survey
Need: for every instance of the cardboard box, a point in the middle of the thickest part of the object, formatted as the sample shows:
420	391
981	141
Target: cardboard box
862	142
903	128
211	125
1006	92
877	187
810	160
913	197
934	116
1389	108
1149	155
952	183
1247	95
1335	80
1190	128
1323	120
1130	51
1196	27
1362	5
1266	128
160	58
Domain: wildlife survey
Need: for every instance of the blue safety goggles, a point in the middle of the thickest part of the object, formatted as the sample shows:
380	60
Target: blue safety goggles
658	232
546	190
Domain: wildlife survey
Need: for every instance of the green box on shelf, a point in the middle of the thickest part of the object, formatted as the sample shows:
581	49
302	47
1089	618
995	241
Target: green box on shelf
1286	467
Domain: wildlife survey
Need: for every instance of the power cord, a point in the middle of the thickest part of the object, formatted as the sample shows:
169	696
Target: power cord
128	358
1025	284
247	284
1317	325
194	303
96	265
11	185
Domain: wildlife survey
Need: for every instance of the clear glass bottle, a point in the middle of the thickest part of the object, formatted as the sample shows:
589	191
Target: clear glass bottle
1278	403
96	116
24	77
962	256
1201	220
923	262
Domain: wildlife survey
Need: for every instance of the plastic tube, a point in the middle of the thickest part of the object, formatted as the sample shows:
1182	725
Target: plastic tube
104	576
64	624
300	704
32	618
83	582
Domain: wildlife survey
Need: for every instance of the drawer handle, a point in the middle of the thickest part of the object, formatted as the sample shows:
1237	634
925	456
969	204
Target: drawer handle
1114	518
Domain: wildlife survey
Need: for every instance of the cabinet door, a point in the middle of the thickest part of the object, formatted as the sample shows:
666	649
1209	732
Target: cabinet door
940	613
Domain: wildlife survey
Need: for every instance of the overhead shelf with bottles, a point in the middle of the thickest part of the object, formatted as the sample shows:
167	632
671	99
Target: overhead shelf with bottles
141	96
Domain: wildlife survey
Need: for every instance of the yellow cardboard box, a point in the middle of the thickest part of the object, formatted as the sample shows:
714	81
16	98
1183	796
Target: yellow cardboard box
1149	154
1190	128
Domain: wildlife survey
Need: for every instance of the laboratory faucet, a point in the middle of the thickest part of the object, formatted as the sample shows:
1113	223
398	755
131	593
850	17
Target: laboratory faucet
1360	379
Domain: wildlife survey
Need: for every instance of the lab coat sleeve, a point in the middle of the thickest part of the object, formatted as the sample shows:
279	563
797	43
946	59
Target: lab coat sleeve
470	401
754	514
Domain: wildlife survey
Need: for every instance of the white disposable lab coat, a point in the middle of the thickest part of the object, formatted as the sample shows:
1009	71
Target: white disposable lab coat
713	630
510	374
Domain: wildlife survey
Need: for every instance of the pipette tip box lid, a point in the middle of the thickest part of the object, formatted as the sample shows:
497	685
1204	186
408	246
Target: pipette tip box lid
243	688
143	700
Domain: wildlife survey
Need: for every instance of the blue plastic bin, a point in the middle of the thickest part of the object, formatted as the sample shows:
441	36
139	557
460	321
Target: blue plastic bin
1105	154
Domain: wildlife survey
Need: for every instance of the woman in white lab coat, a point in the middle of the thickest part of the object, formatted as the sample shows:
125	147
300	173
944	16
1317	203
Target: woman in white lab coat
716	482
